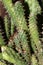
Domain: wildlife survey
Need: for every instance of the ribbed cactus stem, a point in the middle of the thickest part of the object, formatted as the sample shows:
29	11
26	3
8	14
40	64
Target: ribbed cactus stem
25	46
20	16
7	26
14	41
21	40
34	6
10	55
34	32
34	47
17	15
34	10
12	27
15	12
22	35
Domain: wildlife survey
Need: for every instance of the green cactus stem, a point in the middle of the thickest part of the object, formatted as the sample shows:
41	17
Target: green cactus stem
34	10
34	32
19	21
12	27
19	40
24	44
10	55
34	7
22	35
34	60
17	15
15	41
7	26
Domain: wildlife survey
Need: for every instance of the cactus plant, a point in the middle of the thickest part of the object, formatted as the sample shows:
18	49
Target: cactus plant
17	49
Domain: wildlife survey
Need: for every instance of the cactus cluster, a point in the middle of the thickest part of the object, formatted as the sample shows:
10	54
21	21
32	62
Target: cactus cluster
17	50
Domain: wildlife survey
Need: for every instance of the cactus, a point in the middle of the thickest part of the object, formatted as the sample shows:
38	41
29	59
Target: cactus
7	26
17	50
10	55
34	60
34	10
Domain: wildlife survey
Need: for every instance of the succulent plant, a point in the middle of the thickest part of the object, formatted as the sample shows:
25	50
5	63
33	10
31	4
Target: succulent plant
16	48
